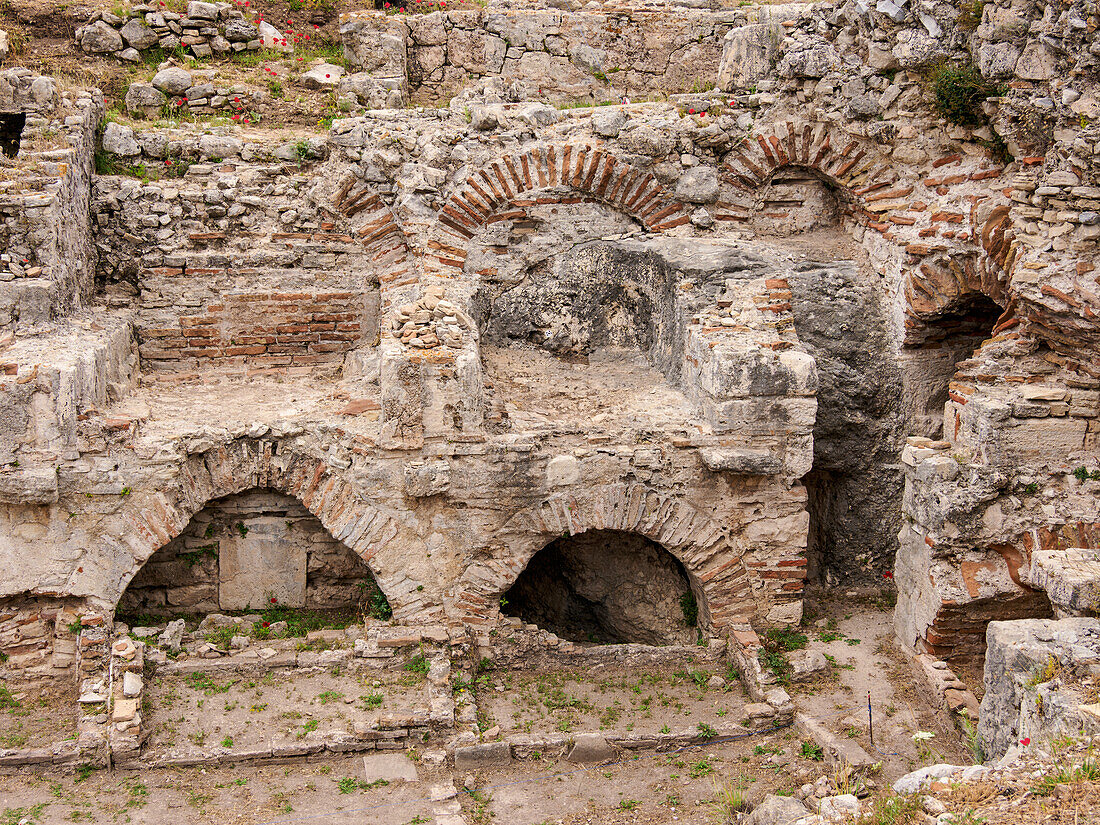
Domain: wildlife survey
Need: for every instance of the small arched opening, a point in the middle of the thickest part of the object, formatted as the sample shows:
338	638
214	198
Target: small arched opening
947	338
607	587
251	551
796	199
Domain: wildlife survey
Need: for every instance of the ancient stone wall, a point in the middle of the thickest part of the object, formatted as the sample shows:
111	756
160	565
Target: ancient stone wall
455	334
46	269
556	56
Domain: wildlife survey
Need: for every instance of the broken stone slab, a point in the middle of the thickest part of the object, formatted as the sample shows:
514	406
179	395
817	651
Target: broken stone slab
391	767
843	808
838	752
590	747
1070	577
740	462
485	755
807	664
172	637
132	684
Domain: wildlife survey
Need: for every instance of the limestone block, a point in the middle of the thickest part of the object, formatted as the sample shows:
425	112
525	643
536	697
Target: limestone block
475	51
144	98
590	747
562	471
272	38
1071	579
741	461
608	121
261	565
698	184
132	684
748	54
775	810
120	140
487	755
1037	62
138	35
1018	701
99	38
29	486
324	76
173	80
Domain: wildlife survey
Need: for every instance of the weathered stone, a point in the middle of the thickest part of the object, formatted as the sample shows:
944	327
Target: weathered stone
173	80
98	38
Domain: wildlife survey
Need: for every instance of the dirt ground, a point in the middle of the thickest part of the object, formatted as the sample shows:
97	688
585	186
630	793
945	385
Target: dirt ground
34	716
686	785
614	699
248	711
859	638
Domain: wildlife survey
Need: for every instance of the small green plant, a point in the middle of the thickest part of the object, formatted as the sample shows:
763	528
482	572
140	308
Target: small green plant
347	784
701	768
1083	474
973	742
706	731
813	751
242	529
970	14
1032	488
629	804
690	608
327	696
418	664
227	742
959	91
729	799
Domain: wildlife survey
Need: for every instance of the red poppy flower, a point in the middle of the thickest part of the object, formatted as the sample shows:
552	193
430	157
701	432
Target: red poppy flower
888	575
1025	741
267	624
274	600
327	76
691	111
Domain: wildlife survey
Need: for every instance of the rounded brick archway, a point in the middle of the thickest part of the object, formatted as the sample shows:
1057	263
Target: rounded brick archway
713	562
154	519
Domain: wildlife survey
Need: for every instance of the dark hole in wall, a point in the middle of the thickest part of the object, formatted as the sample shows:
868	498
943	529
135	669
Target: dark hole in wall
11	132
605	586
957	333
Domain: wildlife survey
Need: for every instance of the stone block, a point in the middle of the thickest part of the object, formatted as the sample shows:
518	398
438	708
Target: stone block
391	767
486	755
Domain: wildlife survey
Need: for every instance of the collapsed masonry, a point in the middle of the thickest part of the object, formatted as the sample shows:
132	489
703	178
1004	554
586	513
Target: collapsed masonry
424	347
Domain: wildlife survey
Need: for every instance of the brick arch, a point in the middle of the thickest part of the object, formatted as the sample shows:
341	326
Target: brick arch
855	166
714	564
370	219
153	520
588	171
937	283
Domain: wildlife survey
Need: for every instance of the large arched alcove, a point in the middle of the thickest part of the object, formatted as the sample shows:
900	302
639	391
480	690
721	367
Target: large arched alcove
249	550
606	586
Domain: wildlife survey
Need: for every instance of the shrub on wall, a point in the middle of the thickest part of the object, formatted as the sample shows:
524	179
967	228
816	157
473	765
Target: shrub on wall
959	91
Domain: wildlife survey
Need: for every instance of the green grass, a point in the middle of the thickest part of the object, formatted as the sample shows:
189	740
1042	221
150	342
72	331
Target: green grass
202	682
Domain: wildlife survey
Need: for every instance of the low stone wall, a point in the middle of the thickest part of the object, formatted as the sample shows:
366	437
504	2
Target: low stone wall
206	29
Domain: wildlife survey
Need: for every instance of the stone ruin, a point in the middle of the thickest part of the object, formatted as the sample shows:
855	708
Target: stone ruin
564	368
